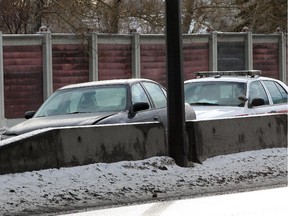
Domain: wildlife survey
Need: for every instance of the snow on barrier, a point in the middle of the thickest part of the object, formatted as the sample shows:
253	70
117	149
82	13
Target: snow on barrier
75	146
232	135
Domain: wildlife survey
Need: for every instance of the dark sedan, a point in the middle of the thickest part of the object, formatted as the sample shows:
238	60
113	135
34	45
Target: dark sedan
100	102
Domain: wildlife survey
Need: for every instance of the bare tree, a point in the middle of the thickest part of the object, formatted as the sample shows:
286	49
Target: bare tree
14	15
144	16
78	16
36	15
204	16
262	16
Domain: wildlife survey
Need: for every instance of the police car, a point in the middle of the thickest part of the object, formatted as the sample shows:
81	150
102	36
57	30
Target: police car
221	94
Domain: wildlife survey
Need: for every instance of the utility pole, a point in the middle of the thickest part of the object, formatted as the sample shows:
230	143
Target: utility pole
177	142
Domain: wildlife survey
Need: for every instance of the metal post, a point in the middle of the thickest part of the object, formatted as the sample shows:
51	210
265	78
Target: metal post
249	51
136	67
47	65
213	51
177	141
2	107
93	58
282	58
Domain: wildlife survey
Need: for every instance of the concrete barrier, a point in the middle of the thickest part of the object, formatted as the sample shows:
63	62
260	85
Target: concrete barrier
83	145
76	146
232	135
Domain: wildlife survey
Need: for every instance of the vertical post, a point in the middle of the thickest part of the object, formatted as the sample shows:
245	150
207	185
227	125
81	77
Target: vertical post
249	51
47	65
177	141
93	58
136	66
213	57
282	58
2	107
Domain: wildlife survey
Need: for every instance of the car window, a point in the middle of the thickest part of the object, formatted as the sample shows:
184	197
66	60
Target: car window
256	90
111	98
214	93
156	93
277	92
138	94
90	99
57	104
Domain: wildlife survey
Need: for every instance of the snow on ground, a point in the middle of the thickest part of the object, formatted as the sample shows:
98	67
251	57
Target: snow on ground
51	191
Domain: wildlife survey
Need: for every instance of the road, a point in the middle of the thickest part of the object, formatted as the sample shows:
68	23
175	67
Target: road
257	203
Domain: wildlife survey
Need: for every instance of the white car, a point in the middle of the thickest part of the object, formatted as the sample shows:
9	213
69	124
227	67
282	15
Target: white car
235	93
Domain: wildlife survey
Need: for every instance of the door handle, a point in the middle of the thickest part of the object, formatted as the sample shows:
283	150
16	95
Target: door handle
273	111
156	118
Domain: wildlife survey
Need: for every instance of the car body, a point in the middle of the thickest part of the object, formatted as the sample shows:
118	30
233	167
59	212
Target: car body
235	93
100	102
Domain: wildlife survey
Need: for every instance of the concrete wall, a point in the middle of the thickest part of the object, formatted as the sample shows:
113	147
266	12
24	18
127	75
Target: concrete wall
83	145
226	136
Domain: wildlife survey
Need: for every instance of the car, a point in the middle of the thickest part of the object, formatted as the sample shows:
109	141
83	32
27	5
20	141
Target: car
221	94
100	102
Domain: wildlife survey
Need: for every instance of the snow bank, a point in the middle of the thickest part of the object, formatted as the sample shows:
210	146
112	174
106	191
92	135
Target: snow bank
103	184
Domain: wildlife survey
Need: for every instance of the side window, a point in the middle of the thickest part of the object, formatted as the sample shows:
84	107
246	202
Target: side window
75	99
138	94
256	90
156	93
277	92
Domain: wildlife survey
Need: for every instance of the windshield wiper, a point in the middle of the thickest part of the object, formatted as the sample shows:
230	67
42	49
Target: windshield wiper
76	112
205	104
41	116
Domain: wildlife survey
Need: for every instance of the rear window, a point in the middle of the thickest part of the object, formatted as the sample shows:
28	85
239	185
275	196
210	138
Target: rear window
277	92
157	94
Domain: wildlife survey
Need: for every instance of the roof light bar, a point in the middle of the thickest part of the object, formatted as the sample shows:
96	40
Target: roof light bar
251	73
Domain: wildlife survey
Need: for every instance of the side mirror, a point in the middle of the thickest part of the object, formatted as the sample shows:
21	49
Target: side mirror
140	106
29	114
243	98
257	102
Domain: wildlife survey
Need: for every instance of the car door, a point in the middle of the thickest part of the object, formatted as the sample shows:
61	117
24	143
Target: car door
158	97
138	94
278	95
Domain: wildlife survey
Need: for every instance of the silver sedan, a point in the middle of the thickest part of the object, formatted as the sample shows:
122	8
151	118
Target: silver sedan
100	102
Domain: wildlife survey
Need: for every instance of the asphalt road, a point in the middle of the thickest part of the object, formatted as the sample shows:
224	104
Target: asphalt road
257	203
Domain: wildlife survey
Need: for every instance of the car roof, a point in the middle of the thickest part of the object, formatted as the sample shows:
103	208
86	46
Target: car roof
229	79
228	76
217	79
106	82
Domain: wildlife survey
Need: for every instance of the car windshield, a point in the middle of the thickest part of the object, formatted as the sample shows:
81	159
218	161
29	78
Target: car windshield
85	100
215	93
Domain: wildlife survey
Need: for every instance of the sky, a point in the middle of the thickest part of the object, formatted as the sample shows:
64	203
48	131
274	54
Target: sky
55	191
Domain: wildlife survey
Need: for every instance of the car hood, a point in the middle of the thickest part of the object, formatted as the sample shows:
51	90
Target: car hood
210	112
57	121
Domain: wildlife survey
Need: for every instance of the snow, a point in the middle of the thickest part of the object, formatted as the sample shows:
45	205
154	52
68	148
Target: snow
98	185
23	136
